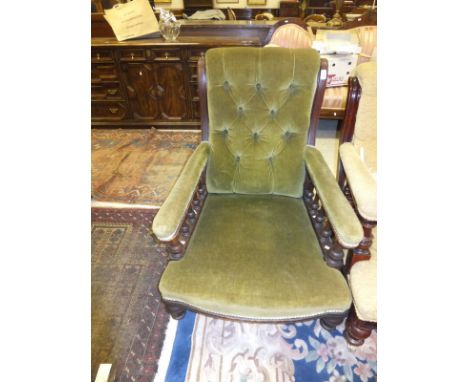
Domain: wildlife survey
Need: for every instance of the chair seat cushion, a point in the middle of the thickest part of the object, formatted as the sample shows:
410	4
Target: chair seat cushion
255	257
363	283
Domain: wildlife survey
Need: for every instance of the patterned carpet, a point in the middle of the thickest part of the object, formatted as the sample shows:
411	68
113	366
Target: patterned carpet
137	167
128	319
208	349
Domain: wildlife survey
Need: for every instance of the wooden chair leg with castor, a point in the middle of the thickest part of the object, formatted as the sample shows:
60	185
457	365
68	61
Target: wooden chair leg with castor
356	330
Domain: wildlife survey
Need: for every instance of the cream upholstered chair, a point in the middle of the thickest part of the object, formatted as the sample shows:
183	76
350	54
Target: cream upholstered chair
357	170
290	33
256	221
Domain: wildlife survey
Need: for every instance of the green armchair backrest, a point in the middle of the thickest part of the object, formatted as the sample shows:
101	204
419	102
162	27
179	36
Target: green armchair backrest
259	105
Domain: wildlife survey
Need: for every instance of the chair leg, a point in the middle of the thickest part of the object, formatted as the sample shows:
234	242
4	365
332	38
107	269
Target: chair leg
356	330
177	311
331	321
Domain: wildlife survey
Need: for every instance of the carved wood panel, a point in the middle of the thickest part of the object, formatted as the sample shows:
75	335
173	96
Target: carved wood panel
171	91
142	90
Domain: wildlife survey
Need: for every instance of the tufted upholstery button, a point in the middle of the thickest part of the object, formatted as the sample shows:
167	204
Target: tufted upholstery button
237	158
255	135
273	112
287	134
225	131
258	86
226	85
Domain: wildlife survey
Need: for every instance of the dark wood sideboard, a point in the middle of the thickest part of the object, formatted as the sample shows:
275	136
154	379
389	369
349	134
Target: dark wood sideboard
149	82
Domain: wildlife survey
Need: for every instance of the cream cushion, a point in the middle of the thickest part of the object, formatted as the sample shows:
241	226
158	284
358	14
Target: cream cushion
362	183
363	284
365	131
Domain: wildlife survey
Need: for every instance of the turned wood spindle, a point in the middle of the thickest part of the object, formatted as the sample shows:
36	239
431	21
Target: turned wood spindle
176	249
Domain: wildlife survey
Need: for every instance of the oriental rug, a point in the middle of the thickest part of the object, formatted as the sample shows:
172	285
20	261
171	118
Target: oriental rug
209	349
137	167
128	320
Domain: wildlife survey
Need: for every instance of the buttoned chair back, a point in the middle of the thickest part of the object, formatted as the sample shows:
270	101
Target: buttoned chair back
259	106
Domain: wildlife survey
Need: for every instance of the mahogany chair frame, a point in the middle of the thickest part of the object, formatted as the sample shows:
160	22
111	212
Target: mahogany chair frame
333	253
356	330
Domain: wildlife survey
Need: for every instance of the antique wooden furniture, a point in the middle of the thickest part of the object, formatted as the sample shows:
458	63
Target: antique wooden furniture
149	82
357	167
289	9
250	235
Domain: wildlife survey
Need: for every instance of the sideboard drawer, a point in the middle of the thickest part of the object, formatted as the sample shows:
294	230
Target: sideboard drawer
105	91
193	68
169	54
108	111
196	53
103	72
129	55
101	55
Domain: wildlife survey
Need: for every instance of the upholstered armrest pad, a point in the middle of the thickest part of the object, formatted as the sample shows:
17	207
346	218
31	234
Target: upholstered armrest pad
167	222
343	220
360	180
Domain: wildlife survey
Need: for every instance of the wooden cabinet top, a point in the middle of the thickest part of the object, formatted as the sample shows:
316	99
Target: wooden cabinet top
182	40
207	32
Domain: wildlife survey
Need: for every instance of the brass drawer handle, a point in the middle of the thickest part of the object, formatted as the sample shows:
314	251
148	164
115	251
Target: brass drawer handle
166	55
98	56
113	110
111	91
132	55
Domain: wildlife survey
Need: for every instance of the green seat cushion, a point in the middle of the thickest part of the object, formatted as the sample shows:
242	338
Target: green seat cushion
255	257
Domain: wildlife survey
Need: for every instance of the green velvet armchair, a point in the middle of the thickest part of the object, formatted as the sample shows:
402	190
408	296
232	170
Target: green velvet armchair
256	223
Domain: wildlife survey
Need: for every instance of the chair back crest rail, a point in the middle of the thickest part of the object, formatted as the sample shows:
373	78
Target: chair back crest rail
289	20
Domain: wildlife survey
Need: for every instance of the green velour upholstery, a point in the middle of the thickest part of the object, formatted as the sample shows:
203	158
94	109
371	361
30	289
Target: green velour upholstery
172	213
253	253
361	182
259	103
345	224
255	257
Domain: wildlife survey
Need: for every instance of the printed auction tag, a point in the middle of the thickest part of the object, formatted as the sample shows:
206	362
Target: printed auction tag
133	19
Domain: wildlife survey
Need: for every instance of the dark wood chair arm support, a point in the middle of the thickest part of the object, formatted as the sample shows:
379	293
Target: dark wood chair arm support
331	248
349	121
318	101
202	96
362	251
177	246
